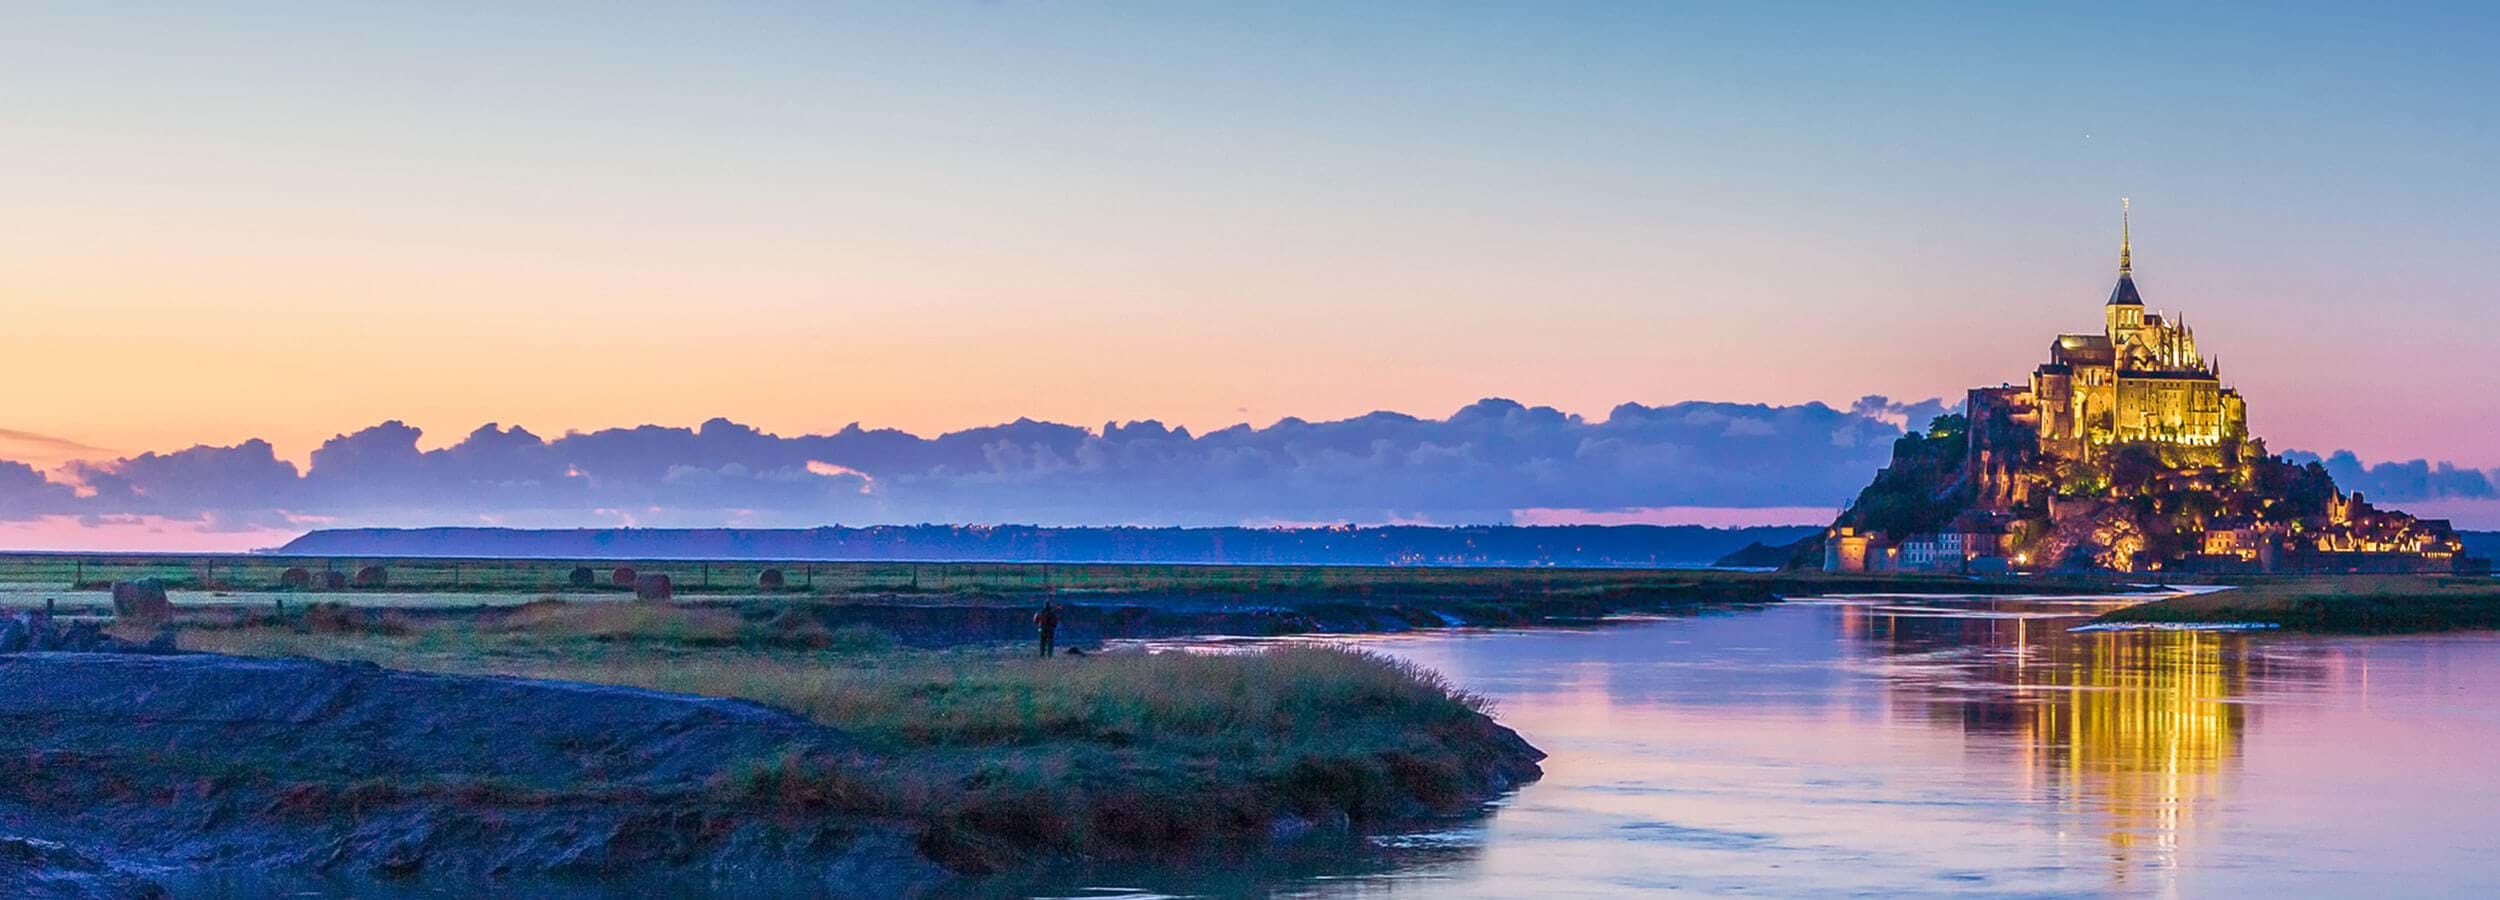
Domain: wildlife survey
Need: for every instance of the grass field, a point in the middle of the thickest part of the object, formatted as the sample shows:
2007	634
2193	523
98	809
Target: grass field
1001	757
2344	604
258	580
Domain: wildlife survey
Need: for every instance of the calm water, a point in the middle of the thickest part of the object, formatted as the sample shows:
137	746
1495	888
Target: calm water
1894	746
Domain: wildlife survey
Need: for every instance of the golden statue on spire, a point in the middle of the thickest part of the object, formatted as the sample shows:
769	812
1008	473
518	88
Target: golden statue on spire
2126	255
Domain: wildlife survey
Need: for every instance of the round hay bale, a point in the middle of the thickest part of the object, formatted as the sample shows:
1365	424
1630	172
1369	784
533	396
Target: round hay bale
621	576
142	601
334	580
771	580
653	588
582	578
296	577
373	577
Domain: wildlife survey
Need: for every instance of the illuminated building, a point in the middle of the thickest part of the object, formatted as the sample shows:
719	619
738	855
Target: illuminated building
2125	452
2140	379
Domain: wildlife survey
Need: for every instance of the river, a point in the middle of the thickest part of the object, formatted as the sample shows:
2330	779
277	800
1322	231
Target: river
1968	746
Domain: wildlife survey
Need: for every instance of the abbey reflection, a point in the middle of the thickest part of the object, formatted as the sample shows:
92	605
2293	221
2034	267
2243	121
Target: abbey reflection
2135	731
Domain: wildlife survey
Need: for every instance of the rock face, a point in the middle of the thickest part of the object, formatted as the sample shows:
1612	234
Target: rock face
654	587
1982	493
142	601
469	784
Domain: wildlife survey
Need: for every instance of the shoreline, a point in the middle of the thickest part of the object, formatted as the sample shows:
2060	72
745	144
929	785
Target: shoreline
290	772
811	782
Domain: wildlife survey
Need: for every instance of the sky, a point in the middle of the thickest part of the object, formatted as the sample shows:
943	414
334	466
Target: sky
291	222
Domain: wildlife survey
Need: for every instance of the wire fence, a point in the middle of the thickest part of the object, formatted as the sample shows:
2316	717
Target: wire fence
256	573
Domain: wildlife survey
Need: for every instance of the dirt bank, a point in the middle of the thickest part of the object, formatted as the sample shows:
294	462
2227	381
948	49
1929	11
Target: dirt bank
145	766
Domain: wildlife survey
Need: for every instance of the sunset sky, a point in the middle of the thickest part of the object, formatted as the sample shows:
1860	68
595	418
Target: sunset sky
293	221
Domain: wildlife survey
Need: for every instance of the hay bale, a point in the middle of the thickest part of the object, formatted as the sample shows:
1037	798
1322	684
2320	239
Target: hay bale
653	588
771	580
621	576
142	601
582	578
373	577
296	577
334	580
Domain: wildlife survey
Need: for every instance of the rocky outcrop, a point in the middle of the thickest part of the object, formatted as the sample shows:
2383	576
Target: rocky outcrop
1758	555
36	868
356	772
36	631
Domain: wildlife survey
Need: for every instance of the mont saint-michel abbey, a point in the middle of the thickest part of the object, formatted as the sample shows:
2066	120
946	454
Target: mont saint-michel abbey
2125	451
2140	379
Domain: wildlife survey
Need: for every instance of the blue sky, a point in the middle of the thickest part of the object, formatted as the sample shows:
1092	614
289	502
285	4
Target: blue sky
936	216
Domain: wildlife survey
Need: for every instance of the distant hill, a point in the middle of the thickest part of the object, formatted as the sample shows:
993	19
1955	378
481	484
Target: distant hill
1501	545
1804	551
2481	544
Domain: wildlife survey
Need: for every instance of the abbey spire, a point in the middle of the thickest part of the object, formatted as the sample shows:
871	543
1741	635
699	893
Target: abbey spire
2126	250
2124	294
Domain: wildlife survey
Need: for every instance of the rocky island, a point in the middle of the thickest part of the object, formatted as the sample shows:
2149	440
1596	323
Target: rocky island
2125	452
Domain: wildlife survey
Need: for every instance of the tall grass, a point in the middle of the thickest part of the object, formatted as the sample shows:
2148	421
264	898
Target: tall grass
852	680
1000	755
2367	604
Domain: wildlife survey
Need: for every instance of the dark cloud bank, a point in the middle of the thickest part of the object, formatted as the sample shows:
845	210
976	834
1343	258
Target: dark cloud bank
1476	466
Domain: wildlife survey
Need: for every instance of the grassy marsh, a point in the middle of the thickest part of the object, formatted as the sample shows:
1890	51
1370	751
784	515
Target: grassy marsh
999	756
2343	604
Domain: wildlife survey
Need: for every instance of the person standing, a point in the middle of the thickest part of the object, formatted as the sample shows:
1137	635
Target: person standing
1048	622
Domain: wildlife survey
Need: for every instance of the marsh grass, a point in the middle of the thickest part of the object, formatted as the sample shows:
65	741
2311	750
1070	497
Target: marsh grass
999	756
449	579
2349	604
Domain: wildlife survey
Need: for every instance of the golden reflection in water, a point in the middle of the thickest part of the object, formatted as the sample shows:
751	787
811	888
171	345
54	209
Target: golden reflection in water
2135	732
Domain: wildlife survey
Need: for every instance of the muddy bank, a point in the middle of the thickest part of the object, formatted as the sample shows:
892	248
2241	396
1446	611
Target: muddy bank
149	768
122	775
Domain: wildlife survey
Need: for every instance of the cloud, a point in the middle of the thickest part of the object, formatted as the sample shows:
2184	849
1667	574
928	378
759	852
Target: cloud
25	494
2409	480
203	479
1481	463
1491	461
42	443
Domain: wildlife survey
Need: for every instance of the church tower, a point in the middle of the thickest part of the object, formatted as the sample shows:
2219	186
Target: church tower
2125	311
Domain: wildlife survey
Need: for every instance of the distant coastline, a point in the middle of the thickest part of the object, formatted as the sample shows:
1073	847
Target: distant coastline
1411	545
